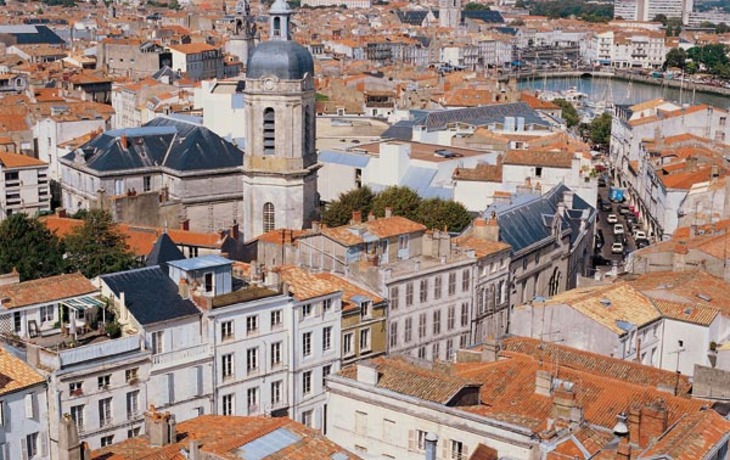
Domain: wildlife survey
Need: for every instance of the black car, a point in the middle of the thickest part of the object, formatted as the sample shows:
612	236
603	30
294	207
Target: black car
600	260
606	206
601	182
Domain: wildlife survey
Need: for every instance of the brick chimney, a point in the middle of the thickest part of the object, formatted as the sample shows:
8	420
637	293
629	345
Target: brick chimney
543	383
160	427
565	404
690	164
634	423
123	141
371	217
356	217
653	422
486	229
183	288
388	212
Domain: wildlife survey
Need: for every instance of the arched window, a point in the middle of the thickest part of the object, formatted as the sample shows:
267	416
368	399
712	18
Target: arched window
277	26
269	217
269	131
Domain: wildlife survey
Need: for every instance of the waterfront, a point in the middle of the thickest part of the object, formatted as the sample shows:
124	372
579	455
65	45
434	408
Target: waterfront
624	92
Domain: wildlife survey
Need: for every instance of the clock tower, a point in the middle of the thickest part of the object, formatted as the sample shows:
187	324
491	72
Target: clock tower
280	163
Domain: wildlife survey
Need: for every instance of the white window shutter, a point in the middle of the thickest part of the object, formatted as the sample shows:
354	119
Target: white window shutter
411	440
24	449
464	452
29	403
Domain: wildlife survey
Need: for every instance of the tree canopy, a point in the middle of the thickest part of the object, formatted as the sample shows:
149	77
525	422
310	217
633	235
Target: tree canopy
29	247
474	6
676	57
587	11
340	211
599	130
568	112
403	201
98	247
714	57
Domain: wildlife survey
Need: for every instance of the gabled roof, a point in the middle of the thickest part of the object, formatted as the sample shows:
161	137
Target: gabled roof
15	374
693	437
401	376
161	143
150	295
230	437
45	290
16	160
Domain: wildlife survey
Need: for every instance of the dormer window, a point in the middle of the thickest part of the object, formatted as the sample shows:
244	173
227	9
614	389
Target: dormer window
366	308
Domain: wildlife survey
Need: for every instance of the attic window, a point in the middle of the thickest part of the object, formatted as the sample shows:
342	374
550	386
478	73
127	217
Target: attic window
704	297
606	302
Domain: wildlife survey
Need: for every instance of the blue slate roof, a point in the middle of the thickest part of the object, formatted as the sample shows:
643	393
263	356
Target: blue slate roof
417	17
163	142
400	130
528	219
150	295
32	34
343	158
163	251
483	15
420	180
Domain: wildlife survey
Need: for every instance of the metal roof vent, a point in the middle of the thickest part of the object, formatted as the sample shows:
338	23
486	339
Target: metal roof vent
606	302
704	297
688	311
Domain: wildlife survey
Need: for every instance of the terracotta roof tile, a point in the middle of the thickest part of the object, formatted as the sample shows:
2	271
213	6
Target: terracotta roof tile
401	376
15	374
693	437
15	160
45	290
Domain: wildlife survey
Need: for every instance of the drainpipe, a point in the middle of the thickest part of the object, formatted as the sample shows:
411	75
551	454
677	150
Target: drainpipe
431	441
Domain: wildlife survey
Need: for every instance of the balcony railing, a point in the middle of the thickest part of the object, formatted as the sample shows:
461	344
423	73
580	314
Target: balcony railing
181	356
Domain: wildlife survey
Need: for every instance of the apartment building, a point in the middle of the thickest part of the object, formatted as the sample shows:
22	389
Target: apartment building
23	411
24	185
199	61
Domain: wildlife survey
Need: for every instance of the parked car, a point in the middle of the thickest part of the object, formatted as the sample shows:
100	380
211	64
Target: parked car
624	210
639	235
601	182
642	243
600	260
612	219
617	247
618	229
606	206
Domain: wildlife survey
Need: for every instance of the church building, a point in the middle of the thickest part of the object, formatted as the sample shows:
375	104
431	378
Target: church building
280	164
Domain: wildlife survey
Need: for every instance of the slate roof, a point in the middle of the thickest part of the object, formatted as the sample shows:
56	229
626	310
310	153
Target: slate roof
416	18
479	116
161	143
150	295
32	35
483	15
529	218
163	251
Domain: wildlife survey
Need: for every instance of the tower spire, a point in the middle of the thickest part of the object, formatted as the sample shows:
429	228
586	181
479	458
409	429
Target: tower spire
279	17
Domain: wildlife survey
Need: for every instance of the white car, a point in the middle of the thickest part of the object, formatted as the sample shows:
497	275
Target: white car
617	248
618	229
639	235
612	219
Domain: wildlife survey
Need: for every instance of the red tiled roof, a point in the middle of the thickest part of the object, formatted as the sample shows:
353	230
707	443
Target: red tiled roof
692	438
45	290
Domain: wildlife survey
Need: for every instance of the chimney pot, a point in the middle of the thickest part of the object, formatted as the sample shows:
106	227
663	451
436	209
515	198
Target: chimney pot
356	217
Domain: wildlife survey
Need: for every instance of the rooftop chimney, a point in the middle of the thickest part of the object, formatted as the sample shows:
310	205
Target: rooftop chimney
543	383
371	217
183	288
123	141
69	447
653	422
160	427
356	217
388	212
568	199
367	374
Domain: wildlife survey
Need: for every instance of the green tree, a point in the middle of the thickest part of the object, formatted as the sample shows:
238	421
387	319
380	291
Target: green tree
474	6
339	212
660	18
28	246
98	247
676	57
568	112
722	28
174	5
436	213
403	201
599	130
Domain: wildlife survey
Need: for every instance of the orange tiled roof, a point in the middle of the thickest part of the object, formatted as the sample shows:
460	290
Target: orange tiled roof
16	160
693	437
221	435
192	48
508	393
349	291
397	374
304	285
385	227
560	159
481	247
15	374
614	368
45	290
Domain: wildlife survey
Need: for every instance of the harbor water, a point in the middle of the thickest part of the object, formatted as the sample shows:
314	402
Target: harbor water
624	92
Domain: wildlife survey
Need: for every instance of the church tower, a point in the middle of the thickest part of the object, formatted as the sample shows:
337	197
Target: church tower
449	13
245	34
280	164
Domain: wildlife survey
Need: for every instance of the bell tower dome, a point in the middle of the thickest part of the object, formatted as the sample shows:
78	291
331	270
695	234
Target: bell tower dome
280	163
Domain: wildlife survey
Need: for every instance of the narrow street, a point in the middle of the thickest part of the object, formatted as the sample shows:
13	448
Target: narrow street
607	230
